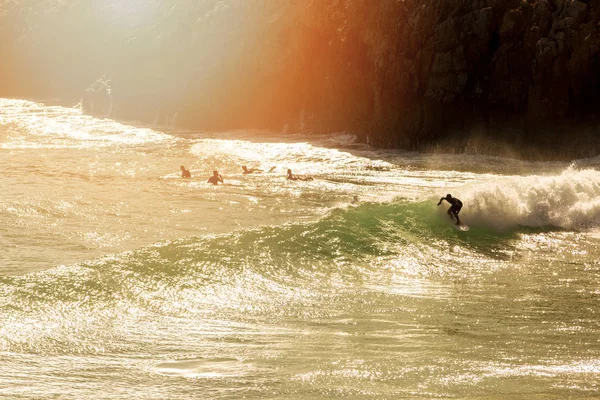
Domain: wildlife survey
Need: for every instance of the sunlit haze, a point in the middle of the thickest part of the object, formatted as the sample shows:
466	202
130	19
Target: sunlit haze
299	199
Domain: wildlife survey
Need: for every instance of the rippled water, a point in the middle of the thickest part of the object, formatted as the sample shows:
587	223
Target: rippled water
119	279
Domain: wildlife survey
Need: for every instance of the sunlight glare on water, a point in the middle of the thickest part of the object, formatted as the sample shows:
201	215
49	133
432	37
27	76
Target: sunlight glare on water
122	280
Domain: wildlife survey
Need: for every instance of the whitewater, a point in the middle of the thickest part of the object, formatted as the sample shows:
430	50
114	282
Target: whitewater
121	280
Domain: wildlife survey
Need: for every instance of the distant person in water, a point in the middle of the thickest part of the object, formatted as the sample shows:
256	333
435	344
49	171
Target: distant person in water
292	177
455	208
250	170
216	178
185	173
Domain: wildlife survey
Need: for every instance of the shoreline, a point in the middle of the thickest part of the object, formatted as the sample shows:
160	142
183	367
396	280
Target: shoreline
522	148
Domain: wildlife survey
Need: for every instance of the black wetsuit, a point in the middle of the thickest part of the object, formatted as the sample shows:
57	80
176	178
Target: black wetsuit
456	205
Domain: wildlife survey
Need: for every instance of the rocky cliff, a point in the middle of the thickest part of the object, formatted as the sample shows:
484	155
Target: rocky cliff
493	76
478	75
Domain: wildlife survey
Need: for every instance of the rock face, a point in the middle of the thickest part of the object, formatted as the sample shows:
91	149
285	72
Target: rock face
518	77
487	75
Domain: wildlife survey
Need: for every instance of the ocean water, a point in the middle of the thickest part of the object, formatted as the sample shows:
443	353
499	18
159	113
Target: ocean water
121	280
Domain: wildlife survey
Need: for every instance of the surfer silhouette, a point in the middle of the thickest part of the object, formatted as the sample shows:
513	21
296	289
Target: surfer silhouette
455	207
250	170
216	178
293	177
185	173
290	176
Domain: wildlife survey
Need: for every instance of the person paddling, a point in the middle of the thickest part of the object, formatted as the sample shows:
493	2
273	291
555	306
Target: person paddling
293	177
250	170
455	208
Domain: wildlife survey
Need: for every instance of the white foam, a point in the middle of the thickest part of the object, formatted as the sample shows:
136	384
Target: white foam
570	200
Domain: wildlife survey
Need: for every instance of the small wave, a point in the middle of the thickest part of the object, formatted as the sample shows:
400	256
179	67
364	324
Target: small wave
205	368
56	127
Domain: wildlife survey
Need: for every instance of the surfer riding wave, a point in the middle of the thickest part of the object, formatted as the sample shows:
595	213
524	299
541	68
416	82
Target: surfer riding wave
455	207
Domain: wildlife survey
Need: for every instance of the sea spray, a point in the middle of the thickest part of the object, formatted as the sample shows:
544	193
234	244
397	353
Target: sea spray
570	200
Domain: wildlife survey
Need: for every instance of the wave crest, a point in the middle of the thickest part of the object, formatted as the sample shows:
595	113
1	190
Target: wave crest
570	200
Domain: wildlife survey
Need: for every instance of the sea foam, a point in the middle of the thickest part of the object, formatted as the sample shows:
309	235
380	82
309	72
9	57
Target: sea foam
570	200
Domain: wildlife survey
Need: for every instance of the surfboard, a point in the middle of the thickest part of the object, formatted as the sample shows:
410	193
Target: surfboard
461	227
